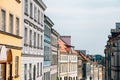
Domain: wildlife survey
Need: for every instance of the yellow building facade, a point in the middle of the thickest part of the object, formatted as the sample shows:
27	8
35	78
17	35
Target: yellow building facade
10	39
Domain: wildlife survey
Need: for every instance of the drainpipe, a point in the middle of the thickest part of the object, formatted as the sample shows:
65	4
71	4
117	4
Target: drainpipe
117	60
109	60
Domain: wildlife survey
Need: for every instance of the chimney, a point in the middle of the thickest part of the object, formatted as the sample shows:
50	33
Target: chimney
66	39
117	25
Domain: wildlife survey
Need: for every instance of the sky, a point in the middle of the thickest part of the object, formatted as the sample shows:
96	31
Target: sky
88	22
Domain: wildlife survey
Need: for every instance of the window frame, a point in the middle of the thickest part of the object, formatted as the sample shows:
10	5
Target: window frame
11	23
17	26
31	9
25	35
17	66
30	71
3	26
25	71
26	6
37	69
30	36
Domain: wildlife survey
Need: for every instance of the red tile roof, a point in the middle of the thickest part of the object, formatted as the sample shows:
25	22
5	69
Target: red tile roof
82	55
62	46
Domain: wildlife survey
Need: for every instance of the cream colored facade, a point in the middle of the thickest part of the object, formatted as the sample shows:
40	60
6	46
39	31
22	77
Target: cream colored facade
68	66
72	65
96	72
67	61
10	39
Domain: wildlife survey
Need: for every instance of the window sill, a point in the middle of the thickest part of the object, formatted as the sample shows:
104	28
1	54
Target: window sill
11	34
30	46
18	1
35	20
41	25
41	48
31	17
16	76
35	47
25	44
26	14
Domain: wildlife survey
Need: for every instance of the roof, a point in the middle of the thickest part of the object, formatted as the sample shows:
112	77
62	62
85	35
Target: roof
62	46
94	62
65	48
66	39
82	55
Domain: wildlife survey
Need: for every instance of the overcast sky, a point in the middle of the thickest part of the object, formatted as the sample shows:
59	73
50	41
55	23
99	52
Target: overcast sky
87	21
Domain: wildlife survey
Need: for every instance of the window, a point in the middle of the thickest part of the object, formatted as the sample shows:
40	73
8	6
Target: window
69	78
11	23
41	69
37	69
38	43
42	18
17	26
35	13
30	37
38	16
30	71
34	39
60	78
31	9
26	6
16	65
65	78
3	13
47	76
73	78
25	36
47	51
76	78
47	31
25	72
41	41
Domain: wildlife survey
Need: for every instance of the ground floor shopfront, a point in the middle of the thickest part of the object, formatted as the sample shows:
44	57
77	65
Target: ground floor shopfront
9	63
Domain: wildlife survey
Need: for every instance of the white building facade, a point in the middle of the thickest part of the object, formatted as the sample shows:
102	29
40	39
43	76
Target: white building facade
33	35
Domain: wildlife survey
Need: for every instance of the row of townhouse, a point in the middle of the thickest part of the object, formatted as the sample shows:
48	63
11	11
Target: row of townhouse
50	50
22	40
112	55
30	49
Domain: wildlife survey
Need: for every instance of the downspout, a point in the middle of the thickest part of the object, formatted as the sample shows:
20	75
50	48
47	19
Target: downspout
109	62
117	60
